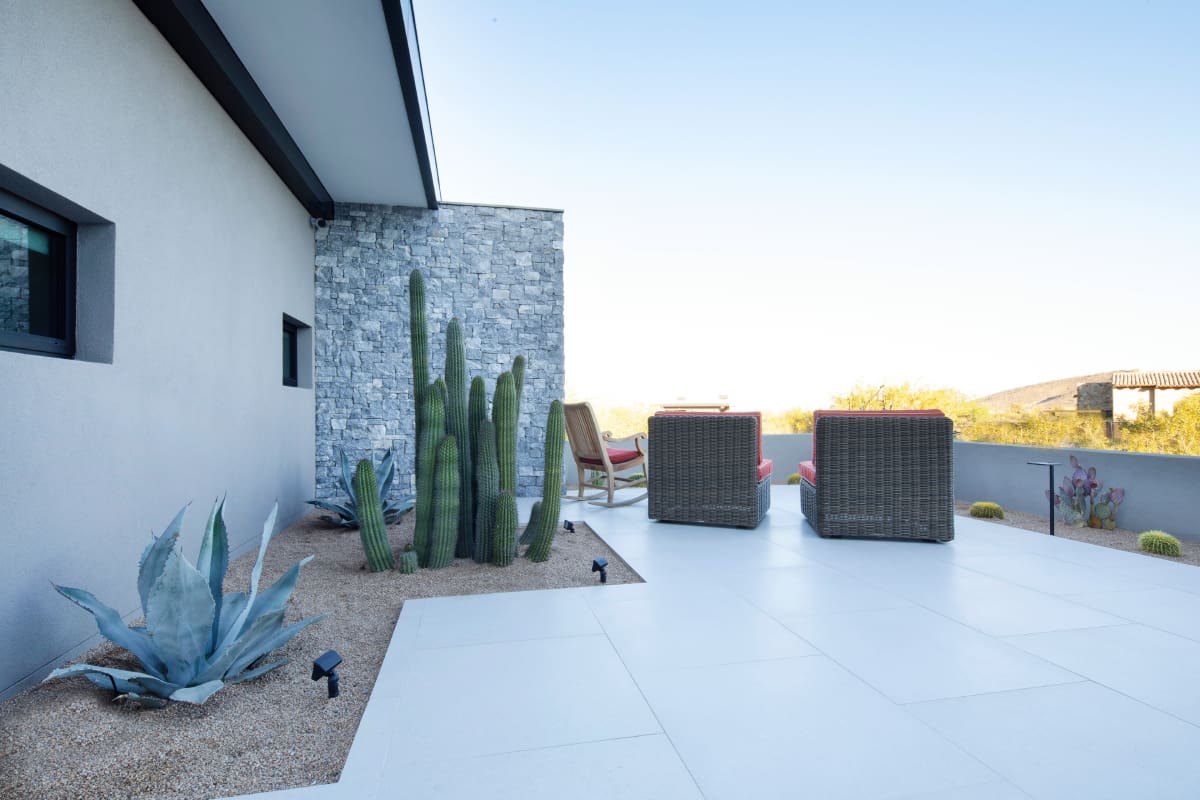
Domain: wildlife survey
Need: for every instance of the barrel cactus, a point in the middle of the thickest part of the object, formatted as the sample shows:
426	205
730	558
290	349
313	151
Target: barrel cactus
408	561
545	521
1159	543
445	505
987	510
371	528
504	539
487	474
196	639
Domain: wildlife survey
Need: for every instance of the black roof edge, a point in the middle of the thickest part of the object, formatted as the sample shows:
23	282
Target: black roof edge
398	33
194	34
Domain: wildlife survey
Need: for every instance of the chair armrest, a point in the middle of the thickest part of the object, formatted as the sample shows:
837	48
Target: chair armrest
639	439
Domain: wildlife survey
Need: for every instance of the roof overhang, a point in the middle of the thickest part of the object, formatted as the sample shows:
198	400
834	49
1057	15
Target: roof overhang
330	91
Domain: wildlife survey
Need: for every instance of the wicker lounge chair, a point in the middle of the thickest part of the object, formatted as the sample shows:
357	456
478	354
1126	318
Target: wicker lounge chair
708	469
880	475
589	446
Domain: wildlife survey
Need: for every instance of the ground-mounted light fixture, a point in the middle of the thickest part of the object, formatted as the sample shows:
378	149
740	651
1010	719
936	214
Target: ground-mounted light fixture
568	526
326	666
601	565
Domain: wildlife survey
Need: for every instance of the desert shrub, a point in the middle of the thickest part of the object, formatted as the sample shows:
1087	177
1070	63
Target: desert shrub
793	479
1160	543
987	510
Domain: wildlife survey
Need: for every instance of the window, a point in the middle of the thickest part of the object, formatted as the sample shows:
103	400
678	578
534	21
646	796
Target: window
291	347
37	279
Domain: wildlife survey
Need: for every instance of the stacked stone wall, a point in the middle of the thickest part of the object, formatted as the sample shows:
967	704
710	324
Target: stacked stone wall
499	270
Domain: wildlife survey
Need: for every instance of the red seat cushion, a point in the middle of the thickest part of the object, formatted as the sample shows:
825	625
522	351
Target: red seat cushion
808	471
764	468
617	457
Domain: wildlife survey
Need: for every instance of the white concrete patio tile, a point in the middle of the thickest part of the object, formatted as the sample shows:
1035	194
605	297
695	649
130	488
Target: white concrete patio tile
1171	610
1076	740
1150	665
506	696
478	618
810	589
659	633
638	768
996	790
800	728
1160	572
912	655
1050	575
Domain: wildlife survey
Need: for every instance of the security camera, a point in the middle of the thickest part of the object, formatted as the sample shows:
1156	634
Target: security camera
317	222
325	666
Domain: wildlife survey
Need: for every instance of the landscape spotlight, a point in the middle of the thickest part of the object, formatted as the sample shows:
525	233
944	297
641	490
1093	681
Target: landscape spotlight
600	565
569	526
326	667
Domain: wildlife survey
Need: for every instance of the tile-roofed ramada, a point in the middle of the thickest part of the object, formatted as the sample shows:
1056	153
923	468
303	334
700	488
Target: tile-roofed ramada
1138	379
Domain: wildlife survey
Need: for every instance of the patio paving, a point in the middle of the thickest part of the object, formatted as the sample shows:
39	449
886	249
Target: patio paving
773	663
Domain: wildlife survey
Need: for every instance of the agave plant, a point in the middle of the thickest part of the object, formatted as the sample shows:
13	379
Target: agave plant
347	513
196	639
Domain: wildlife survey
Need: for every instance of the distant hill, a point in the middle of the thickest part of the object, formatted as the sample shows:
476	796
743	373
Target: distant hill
1048	396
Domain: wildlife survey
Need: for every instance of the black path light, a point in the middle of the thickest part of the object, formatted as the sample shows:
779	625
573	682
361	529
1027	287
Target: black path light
1051	465
568	526
601	565
326	667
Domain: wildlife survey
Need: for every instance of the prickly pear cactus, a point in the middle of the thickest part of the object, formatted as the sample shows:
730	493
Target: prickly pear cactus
504	538
445	505
456	426
408	562
371	529
487	474
433	428
504	415
547	517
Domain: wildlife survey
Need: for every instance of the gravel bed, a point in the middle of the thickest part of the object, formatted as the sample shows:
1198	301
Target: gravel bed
66	739
1117	539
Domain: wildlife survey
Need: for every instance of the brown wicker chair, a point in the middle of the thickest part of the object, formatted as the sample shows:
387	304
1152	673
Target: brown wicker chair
881	476
589	446
708	469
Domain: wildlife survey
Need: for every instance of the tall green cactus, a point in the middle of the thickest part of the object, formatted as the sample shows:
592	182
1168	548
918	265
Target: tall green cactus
476	413
433	428
504	540
504	415
487	474
418	337
371	529
518	371
445	505
439	386
456	426
547	517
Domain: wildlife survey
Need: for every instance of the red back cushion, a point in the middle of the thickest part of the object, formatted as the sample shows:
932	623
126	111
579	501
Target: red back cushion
909	412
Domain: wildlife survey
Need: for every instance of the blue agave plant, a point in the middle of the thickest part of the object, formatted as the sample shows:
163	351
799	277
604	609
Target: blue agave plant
347	513
196	639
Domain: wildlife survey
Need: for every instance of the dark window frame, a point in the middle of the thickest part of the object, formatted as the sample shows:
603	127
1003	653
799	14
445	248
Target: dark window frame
29	213
291	370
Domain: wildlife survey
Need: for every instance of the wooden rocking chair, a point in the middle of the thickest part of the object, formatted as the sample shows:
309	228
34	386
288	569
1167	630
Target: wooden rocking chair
589	447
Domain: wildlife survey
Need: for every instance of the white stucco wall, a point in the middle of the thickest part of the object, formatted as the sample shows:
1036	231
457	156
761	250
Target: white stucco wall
211	251
1126	401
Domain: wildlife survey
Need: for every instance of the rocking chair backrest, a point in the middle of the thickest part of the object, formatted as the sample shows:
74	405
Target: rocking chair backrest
583	432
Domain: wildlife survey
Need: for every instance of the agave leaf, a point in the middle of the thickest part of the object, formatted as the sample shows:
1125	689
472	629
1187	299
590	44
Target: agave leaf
347	478
179	618
274	639
143	700
154	557
213	562
218	667
135	640
235	630
197	694
139	681
341	510
254	673
274	598
232	605
386	474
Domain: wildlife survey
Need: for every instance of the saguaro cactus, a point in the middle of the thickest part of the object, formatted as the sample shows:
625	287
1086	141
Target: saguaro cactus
456	426
370	518
445	505
487	473
418	337
504	415
518	371
476	413
433	428
504	540
545	521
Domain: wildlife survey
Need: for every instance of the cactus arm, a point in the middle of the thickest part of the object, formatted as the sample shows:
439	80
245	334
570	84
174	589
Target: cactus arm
504	415
418	337
433	428
456	426
547	518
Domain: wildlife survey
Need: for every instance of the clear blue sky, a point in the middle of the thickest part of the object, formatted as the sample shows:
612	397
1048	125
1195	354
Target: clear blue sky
775	201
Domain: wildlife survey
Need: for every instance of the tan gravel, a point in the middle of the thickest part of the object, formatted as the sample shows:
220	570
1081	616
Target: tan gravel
1117	539
67	740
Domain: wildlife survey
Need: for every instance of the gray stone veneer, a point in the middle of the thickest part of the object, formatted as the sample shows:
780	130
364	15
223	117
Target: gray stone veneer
499	270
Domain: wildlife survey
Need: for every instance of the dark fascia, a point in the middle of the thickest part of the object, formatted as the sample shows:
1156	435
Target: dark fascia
194	34
398	33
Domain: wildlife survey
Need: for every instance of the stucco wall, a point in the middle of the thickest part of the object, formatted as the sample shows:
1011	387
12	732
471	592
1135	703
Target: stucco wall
499	270
210	251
